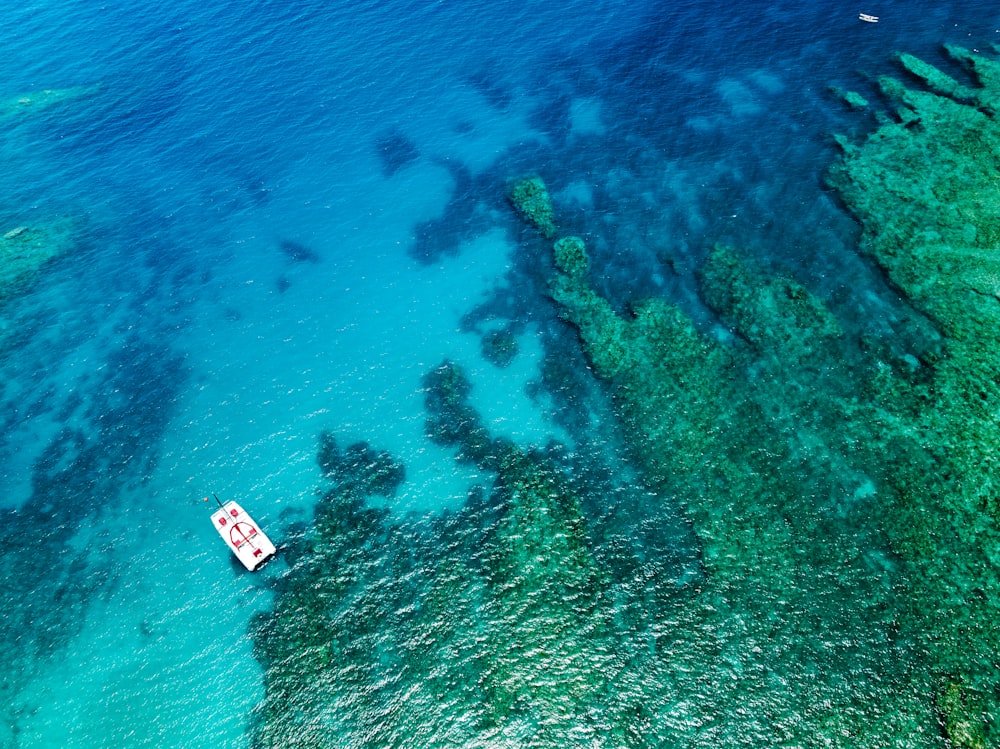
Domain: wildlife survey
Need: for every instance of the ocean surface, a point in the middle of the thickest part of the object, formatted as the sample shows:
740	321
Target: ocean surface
285	214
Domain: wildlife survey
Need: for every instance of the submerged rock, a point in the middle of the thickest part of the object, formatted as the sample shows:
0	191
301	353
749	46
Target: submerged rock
298	252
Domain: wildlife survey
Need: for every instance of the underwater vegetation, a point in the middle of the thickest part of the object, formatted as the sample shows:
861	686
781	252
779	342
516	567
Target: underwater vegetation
841	491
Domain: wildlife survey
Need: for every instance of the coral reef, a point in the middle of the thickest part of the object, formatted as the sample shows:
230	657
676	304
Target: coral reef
571	256
510	612
924	191
785	577
962	723
36	101
25	249
356	644
843	497
793	436
452	421
27	245
531	199
773	314
500	347
368	471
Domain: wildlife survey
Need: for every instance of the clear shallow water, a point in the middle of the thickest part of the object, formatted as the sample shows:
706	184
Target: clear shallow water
287	216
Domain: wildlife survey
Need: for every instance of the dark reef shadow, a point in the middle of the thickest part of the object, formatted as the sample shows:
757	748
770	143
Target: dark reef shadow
298	252
469	213
485	83
396	151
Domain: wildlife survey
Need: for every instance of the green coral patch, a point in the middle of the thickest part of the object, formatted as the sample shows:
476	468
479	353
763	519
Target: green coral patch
530	197
771	313
571	256
770	495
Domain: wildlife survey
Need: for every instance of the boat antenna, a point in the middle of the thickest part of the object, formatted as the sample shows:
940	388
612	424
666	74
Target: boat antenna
218	500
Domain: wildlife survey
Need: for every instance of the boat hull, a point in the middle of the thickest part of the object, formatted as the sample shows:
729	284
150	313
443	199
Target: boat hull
242	535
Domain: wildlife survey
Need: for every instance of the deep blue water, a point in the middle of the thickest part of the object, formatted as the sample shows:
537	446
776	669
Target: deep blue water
285	214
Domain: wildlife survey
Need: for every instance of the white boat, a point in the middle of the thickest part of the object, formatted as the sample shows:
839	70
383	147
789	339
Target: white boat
242	534
867	17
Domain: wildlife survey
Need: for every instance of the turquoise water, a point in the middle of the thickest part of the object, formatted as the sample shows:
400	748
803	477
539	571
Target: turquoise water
285	215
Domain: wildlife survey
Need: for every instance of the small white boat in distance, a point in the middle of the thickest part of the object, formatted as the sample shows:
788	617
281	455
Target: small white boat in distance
867	17
242	534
